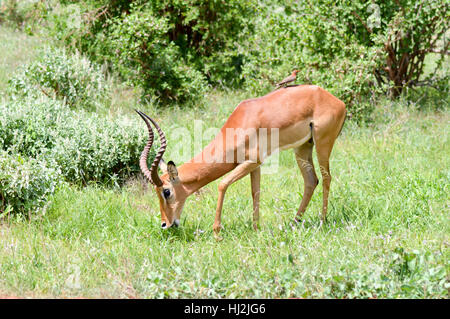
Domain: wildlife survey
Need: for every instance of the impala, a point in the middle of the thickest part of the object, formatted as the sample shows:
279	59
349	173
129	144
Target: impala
302	116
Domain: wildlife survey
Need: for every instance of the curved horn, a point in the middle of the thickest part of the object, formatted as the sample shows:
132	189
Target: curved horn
144	155
154	169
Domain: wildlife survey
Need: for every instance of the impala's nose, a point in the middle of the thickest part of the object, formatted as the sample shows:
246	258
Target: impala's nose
176	223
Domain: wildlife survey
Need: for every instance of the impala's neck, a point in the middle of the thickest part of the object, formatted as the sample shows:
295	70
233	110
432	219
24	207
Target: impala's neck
200	171
196	175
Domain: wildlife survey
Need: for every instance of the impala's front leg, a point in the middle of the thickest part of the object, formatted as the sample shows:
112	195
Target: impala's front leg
237	173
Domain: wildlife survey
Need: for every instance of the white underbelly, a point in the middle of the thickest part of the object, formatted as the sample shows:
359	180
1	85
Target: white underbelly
298	143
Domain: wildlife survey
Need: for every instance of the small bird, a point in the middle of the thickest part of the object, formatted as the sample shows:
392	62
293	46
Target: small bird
289	79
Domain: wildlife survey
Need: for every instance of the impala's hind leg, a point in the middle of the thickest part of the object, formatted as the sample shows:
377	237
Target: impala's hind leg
303	155
323	156
255	177
324	144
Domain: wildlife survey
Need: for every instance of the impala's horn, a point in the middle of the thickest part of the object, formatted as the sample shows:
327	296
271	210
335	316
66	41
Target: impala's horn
152	174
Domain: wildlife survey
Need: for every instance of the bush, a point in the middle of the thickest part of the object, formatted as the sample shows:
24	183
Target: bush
171	49
25	183
85	146
71	78
407	32
15	12
98	149
144	55
30	127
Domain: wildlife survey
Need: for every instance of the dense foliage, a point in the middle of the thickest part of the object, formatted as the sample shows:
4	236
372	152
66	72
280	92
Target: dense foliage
25	183
71	78
85	146
175	50
146	57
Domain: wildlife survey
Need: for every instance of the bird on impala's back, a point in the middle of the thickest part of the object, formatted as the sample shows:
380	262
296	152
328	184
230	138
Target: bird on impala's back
289	79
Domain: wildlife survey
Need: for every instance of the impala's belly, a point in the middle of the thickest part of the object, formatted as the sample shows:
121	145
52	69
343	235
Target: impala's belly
297	143
286	138
294	135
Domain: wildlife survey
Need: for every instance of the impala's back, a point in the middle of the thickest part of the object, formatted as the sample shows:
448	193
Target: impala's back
291	113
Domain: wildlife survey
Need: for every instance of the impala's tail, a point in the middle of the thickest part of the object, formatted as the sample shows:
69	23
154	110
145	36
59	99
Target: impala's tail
345	117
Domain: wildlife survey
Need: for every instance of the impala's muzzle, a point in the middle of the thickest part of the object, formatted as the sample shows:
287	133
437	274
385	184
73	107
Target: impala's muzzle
176	222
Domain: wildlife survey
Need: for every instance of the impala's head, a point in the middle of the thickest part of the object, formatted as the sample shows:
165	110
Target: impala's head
168	187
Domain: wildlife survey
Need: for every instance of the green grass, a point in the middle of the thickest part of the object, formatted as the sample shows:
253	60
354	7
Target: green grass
387	233
16	49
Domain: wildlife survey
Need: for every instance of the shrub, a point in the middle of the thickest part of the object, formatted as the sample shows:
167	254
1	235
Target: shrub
85	146
146	57
31	127
170	49
14	12
25	183
406	33
98	149
71	78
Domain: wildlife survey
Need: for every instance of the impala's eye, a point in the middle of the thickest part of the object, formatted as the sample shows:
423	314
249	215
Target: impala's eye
166	193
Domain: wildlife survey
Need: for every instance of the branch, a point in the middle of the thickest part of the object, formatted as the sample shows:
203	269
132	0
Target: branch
89	19
444	52
430	82
43	91
362	22
401	7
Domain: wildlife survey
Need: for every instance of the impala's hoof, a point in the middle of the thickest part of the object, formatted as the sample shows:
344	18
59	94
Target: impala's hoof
216	230
217	236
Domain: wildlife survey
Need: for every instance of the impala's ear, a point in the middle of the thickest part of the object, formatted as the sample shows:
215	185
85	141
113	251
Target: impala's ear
163	166
172	171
